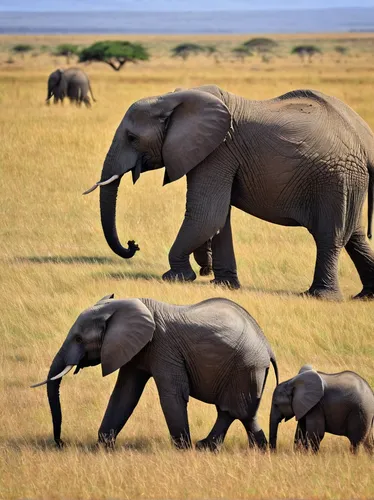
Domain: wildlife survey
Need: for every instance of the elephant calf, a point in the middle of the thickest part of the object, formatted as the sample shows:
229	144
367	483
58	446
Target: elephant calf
73	83
338	403
213	351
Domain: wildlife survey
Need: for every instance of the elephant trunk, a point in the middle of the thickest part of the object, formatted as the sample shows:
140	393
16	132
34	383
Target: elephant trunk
108	202
275	419
53	391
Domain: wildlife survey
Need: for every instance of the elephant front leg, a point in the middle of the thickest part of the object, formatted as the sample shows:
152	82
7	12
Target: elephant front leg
208	203
217	435
125	396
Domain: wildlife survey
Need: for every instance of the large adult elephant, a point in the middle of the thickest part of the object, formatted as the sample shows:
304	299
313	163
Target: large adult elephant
72	83
213	351
301	159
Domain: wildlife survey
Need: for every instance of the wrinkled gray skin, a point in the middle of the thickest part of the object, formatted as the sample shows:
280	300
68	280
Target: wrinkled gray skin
338	403
213	351
72	83
302	159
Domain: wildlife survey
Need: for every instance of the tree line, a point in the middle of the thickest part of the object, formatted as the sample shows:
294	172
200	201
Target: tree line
117	53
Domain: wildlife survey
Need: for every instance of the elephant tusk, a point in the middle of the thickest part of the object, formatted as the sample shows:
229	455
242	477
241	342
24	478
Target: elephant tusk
102	183
56	377
112	179
91	188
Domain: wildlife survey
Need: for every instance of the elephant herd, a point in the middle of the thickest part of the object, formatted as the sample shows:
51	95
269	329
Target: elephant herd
301	159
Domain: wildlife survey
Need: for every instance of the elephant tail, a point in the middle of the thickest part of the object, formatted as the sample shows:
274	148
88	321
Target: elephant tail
275	366
89	86
370	201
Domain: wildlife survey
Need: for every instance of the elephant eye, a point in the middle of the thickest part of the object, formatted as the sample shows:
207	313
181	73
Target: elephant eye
131	137
78	339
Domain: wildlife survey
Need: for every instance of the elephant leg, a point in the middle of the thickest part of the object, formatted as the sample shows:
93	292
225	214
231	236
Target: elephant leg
315	427
217	435
325	282
208	203
256	436
173	390
363	258
125	396
203	256
300	440
224	263
86	101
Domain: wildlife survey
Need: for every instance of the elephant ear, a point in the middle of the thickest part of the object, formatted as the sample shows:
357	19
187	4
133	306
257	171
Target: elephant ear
198	123
308	391
128	330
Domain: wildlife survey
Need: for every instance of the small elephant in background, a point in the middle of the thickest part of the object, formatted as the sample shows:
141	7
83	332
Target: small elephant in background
213	351
72	83
338	403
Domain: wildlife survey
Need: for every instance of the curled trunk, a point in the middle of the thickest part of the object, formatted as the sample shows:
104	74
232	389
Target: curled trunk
53	391
108	203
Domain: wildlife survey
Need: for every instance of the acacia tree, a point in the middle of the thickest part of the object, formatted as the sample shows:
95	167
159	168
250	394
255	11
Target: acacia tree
184	50
114	53
306	50
68	50
22	48
260	46
241	52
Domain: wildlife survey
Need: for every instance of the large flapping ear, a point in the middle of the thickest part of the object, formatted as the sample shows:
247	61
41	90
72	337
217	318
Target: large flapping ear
128	330
308	391
199	122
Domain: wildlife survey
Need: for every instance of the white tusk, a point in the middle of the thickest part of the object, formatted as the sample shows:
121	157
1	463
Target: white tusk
91	189
104	183
60	375
64	372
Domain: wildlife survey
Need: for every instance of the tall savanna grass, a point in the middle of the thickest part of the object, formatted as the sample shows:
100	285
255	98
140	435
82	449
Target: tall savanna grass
55	262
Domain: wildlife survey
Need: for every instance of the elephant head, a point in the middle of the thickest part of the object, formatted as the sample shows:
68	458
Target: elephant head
177	131
111	332
56	85
294	398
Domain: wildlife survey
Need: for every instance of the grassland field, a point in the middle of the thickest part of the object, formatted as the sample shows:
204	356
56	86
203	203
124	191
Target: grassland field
55	262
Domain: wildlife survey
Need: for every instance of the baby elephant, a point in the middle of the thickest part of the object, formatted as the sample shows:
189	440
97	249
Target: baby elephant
213	351
338	403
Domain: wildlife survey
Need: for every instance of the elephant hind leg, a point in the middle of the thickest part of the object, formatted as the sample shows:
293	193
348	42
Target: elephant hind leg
256	436
217	435
363	258
203	257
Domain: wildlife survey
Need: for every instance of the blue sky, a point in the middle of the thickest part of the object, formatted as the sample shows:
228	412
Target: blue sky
174	5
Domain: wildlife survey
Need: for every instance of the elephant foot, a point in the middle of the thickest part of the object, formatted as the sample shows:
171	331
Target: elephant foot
330	294
179	275
181	443
106	441
206	271
367	293
209	445
59	444
230	283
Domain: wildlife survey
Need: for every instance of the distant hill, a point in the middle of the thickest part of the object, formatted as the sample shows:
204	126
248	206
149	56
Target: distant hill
295	21
173	5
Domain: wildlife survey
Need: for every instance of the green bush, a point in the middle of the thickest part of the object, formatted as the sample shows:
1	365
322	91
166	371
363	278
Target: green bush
114	53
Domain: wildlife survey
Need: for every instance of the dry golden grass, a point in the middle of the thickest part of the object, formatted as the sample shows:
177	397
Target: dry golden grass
55	263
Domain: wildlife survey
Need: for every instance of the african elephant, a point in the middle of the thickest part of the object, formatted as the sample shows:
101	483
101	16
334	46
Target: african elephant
213	351
73	83
301	159
338	403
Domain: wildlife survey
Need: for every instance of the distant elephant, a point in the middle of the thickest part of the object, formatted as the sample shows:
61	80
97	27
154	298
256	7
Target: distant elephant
72	83
338	403
213	351
301	159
